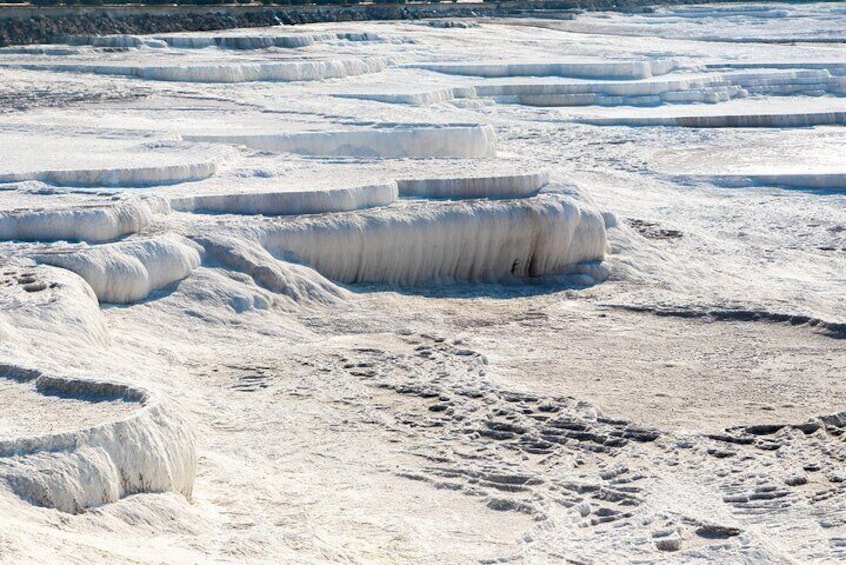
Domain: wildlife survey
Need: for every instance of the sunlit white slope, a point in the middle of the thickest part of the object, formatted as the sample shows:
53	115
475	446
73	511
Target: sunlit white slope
479	241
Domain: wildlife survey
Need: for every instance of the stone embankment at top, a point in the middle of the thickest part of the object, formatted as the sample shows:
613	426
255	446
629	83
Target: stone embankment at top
23	25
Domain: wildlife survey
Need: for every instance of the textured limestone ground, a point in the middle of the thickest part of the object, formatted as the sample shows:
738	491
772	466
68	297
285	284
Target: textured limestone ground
686	408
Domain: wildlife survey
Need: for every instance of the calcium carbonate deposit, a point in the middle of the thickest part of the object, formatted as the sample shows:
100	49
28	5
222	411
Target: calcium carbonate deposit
530	290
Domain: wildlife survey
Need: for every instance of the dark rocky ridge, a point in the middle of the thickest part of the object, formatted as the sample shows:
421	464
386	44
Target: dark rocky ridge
30	25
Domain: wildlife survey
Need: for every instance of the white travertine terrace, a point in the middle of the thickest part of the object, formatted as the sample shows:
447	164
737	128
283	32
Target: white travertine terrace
602	70
250	42
446	243
710	88
448	141
812	181
129	167
152	449
792	120
286	71
93	224
509	186
292	202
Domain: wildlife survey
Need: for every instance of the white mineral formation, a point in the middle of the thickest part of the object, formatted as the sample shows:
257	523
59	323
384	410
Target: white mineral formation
150	450
421	98
446	243
711	88
601	70
172	164
115	41
286	71
128	271
93	224
34	294
300	284
249	42
510	186
811	181
293	202
452	141
792	120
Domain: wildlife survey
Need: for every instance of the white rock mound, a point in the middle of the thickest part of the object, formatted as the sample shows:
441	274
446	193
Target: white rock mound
296	282
151	450
457	141
126	272
43	304
92	224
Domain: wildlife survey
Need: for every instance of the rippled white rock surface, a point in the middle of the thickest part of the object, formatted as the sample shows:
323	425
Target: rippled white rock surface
353	293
